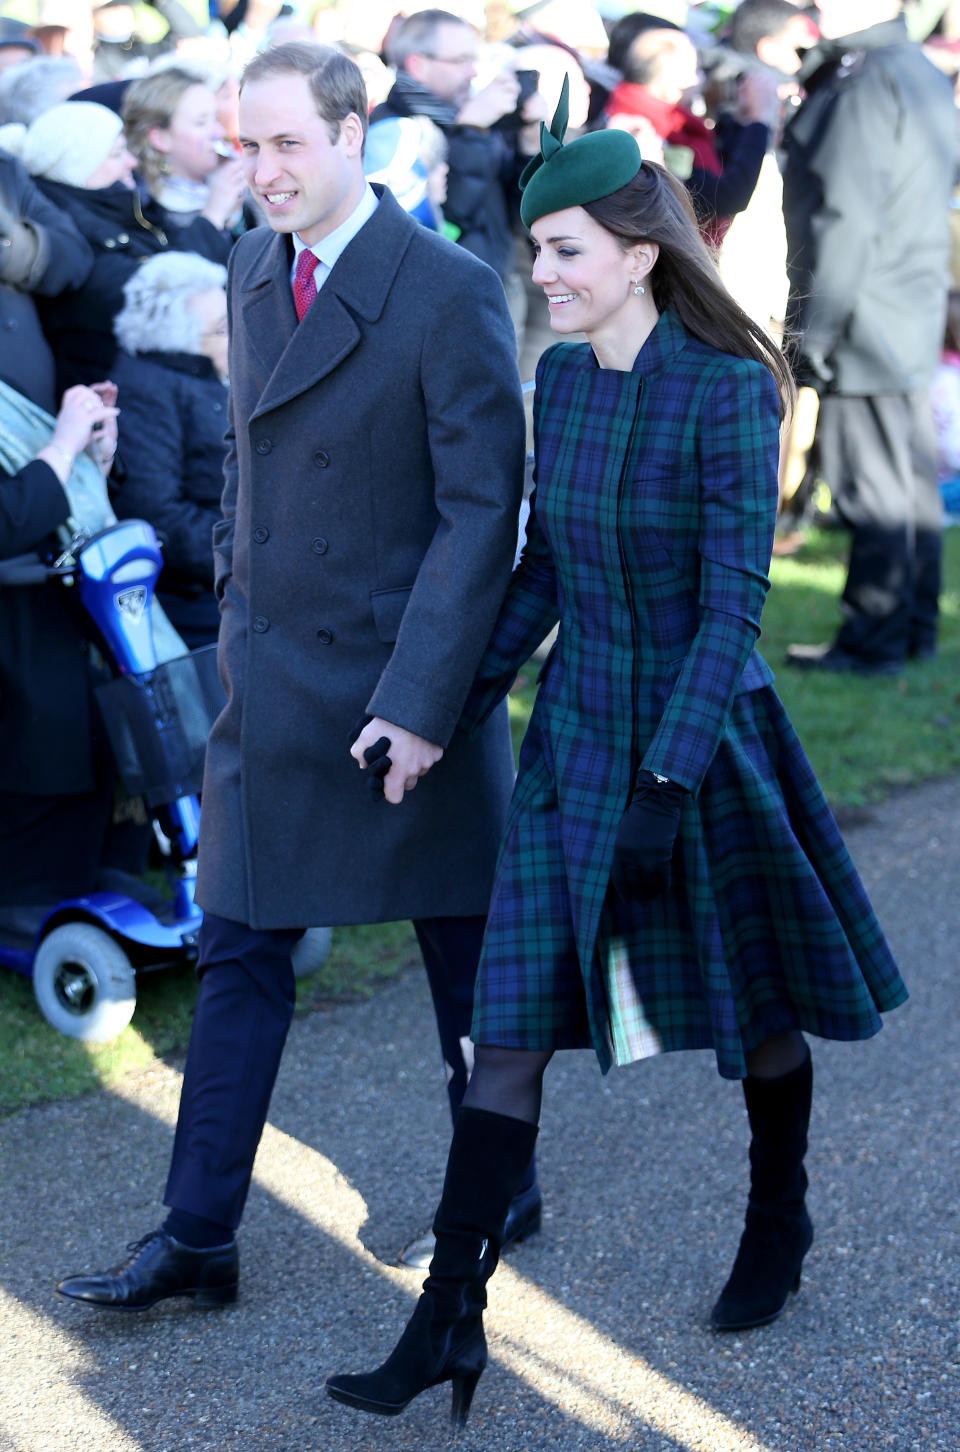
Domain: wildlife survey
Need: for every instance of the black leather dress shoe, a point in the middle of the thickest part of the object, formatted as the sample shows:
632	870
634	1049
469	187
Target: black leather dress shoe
833	659
523	1219
159	1267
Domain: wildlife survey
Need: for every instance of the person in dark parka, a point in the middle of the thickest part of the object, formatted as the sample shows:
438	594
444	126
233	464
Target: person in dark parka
435	55
42	255
870	157
55	777
56	770
671	876
373	484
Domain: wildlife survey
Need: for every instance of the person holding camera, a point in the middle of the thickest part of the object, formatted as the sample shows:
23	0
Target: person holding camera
435	55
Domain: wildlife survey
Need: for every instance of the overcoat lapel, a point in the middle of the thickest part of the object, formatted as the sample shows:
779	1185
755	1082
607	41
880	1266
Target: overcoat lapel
299	355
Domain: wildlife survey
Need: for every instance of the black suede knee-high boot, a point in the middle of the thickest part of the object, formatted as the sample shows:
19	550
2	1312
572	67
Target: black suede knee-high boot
777	1232
444	1340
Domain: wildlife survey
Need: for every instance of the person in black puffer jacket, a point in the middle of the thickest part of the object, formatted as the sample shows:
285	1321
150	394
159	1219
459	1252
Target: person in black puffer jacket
42	256
170	376
77	154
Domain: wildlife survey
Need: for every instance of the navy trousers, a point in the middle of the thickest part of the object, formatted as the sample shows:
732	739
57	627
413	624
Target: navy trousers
244	1008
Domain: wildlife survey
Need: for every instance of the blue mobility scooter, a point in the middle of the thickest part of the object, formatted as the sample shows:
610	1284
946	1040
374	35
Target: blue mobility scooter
83	954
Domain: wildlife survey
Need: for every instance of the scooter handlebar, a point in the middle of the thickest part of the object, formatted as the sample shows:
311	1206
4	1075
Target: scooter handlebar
25	570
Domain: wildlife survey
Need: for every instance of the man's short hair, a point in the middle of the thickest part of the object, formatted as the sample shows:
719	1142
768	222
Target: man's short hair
753	20
623	35
417	34
335	81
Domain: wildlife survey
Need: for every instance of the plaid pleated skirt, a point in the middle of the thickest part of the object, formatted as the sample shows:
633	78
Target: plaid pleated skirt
766	926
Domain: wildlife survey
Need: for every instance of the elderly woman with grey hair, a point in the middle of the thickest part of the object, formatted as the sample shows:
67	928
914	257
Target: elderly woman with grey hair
171	377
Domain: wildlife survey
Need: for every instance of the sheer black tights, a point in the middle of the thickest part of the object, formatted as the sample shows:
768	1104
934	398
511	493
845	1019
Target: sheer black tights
508	1081
777	1055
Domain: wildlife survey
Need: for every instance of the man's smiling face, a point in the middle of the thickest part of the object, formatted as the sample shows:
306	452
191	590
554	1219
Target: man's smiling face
306	173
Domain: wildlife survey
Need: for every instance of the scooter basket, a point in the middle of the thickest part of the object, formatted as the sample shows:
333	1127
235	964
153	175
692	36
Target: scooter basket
158	723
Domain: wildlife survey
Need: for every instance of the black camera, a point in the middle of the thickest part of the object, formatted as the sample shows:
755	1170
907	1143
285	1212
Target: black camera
529	81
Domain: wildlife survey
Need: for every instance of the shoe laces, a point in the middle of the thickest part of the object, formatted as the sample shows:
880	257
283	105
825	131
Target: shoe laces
136	1246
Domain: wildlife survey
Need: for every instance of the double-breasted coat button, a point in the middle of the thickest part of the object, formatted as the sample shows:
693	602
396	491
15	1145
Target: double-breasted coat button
261	534
261	624
321	458
264	446
123	237
320	546
325	636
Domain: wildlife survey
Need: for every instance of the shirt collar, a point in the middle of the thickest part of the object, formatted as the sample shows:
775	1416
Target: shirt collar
329	248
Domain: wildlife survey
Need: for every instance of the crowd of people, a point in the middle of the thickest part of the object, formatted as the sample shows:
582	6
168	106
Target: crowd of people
269	271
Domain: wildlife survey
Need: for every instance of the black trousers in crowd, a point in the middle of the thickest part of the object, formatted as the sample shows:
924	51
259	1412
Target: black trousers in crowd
878	456
244	1008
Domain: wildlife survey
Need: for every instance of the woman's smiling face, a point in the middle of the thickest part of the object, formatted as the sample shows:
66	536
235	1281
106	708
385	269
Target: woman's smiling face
585	273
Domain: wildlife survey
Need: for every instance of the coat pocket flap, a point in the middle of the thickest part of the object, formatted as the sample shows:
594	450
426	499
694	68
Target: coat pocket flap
388	607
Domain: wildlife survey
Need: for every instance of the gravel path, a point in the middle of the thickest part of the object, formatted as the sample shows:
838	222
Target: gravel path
598	1328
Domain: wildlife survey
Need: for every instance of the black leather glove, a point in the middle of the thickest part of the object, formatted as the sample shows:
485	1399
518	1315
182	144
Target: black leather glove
645	838
376	757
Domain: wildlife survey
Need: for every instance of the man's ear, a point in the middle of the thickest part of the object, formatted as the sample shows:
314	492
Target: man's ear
352	133
413	65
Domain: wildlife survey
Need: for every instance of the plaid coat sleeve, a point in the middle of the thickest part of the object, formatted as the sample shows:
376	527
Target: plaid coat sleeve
738	449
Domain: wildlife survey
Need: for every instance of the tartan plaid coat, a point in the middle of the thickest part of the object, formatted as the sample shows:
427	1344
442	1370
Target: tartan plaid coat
649	539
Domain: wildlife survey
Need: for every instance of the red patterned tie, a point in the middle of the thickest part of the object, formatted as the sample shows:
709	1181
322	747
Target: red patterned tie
304	287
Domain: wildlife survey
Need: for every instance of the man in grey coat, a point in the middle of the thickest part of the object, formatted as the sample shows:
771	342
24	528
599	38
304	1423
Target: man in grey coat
870	157
373	482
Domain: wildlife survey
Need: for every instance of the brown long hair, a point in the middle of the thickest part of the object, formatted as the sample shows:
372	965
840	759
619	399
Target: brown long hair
151	101
655	207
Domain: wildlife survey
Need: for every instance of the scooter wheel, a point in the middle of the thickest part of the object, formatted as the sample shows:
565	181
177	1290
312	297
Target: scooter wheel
311	952
84	983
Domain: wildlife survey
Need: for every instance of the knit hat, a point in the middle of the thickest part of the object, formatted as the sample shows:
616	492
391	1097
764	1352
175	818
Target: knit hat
392	156
591	167
68	142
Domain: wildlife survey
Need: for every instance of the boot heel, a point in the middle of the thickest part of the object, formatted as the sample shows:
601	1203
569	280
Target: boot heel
796	1283
464	1386
209	1296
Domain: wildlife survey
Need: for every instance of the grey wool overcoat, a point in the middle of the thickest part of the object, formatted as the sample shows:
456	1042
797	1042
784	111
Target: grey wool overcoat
372	487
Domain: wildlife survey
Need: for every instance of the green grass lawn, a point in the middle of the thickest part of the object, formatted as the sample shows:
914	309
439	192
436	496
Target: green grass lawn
863	736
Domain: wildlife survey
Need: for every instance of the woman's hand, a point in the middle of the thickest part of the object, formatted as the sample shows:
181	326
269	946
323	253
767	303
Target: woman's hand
85	413
104	435
227	186
645	838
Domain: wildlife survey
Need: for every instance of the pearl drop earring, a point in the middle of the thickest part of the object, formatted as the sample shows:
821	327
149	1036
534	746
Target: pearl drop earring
638	289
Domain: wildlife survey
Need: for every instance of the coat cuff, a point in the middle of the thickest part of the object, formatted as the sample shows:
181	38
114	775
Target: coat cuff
407	704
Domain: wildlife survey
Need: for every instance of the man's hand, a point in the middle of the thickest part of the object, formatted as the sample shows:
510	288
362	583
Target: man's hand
496	100
411	756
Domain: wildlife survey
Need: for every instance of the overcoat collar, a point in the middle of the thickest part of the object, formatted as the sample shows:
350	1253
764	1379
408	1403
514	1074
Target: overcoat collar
299	355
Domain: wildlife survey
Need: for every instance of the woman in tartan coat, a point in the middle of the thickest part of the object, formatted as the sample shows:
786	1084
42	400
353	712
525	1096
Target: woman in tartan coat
671	876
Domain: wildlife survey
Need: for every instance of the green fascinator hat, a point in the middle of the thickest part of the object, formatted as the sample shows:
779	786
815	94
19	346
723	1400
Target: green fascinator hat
591	167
